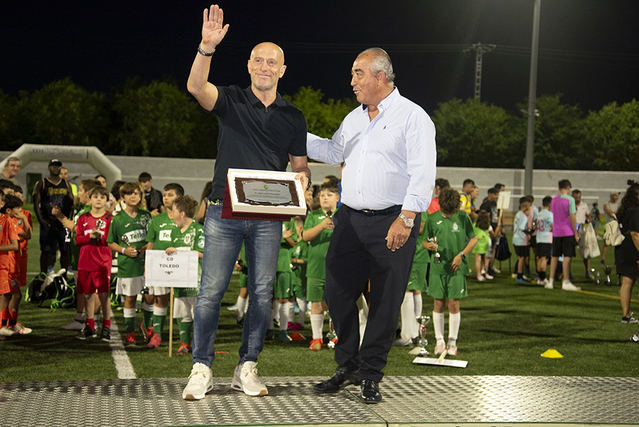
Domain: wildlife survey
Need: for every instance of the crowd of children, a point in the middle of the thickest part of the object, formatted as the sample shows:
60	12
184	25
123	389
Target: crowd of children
111	232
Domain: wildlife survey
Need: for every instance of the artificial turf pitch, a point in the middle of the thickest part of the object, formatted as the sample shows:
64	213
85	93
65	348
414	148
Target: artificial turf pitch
504	329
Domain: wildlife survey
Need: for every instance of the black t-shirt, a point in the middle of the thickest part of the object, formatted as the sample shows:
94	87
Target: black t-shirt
55	195
626	252
491	208
153	199
253	136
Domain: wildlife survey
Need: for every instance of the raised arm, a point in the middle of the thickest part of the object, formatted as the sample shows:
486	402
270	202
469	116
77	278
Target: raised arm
213	31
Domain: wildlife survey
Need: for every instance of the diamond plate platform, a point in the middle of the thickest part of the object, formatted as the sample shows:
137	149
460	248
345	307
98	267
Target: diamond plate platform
441	400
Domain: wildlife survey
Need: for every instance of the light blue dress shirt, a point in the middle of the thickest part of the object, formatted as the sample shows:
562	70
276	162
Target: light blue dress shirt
390	160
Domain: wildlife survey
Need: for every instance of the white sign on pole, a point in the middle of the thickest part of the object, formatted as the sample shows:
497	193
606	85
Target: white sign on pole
178	270
503	202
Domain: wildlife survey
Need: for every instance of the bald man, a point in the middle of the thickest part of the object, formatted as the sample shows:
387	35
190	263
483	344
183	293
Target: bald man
258	129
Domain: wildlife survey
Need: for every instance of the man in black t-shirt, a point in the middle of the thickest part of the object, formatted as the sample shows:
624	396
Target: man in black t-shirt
258	129
489	205
53	191
152	196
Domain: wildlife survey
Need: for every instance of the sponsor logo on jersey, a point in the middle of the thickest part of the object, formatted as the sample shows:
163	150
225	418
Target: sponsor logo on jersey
165	235
134	236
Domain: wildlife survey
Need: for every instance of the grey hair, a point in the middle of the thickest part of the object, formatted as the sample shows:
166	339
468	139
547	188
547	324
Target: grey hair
13	159
381	62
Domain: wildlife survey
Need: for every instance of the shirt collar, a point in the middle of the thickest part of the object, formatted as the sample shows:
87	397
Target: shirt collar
386	102
254	100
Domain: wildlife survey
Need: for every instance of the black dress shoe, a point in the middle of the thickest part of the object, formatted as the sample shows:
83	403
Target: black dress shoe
339	380
370	391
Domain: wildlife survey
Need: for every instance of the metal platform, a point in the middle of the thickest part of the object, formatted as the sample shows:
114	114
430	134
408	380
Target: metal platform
442	400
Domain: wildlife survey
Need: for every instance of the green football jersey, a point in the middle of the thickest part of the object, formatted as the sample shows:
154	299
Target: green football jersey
193	239
452	236
127	231
284	257
159	232
318	247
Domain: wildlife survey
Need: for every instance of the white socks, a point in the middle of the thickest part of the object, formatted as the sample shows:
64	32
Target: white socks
438	326
362	314
284	316
417	299
241	305
453	325
128	312
290	312
409	322
317	323
301	316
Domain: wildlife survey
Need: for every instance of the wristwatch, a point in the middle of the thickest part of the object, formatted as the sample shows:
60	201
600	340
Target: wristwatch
463	255
408	222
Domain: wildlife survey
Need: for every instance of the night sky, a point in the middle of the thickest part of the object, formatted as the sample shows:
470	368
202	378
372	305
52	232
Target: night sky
589	49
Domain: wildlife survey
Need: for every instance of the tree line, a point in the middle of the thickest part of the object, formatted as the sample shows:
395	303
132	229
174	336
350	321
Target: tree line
161	119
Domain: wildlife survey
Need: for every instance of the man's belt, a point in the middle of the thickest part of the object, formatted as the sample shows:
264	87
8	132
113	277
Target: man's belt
395	209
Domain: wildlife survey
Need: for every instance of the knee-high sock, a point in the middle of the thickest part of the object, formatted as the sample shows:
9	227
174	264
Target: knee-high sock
284	316
417	298
362	314
301	316
453	325
241	305
147	310
159	316
438	326
275	313
129	319
407	312
290	307
317	323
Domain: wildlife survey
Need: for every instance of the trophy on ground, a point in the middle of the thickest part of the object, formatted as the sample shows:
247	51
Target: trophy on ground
420	349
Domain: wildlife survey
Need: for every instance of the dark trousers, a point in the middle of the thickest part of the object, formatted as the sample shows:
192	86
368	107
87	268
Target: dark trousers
357	253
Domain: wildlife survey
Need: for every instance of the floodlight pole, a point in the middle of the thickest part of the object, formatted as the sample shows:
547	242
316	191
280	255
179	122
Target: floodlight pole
532	98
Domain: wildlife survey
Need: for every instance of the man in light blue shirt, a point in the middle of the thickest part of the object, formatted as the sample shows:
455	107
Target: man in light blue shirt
388	149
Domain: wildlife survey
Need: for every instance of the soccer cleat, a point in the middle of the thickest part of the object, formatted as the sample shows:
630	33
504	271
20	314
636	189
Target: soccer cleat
147	333
155	341
270	334
568	286
232	308
86	334
439	348
130	339
183	349
635	337
296	336
200	382
252	385
316	344
74	325
20	329
332	343
452	348
283	337
629	319
106	334
521	280
480	278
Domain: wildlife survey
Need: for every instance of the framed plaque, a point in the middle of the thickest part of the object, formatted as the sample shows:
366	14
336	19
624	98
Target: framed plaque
257	194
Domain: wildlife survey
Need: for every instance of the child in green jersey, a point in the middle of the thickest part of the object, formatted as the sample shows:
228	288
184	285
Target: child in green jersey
283	300
483	232
158	237
318	229
449	235
127	238
188	235
299	255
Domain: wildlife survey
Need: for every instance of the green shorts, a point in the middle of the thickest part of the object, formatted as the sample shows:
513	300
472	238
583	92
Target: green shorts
315	290
185	292
243	279
299	282
282	287
417	279
443	285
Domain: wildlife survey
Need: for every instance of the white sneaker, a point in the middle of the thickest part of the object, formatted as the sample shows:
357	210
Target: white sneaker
21	329
549	285
568	286
6	331
200	382
480	278
236	383
74	325
489	276
252	385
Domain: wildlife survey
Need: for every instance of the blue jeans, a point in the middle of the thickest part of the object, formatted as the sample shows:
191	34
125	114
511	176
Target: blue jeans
223	240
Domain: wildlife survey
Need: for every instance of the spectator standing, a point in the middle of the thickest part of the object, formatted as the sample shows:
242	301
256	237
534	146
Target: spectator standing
53	191
465	196
627	253
610	209
152	197
440	184
582	216
11	168
564	235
